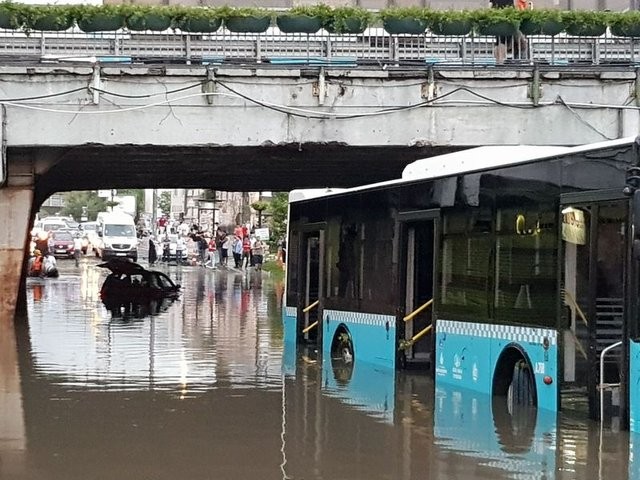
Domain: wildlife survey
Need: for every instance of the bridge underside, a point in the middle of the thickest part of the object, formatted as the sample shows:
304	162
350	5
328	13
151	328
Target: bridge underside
229	168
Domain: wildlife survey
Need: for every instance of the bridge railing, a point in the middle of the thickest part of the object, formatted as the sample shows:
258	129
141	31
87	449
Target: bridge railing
375	46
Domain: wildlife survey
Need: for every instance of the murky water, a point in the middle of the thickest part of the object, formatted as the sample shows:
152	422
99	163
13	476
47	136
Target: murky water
203	388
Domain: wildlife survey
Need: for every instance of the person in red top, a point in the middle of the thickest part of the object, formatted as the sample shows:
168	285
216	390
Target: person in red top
246	252
211	260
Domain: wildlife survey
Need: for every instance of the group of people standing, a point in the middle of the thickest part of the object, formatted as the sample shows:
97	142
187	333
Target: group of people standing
212	250
247	250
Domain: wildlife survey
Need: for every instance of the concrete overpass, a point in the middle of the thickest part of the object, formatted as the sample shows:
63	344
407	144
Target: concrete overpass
67	126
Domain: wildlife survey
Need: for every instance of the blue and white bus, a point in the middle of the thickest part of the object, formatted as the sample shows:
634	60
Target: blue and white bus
510	271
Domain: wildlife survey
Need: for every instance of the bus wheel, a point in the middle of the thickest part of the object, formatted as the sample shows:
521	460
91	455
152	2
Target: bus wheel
342	345
521	389
513	379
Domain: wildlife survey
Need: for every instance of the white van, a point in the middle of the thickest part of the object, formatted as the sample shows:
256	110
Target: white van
117	236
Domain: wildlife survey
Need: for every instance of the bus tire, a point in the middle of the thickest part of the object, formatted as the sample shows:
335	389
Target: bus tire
513	378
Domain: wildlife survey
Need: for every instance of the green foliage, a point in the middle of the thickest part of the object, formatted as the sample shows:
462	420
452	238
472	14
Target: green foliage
418	13
584	22
342	19
441	17
320	10
278	207
260	206
164	202
74	201
246	12
46	17
493	16
59	17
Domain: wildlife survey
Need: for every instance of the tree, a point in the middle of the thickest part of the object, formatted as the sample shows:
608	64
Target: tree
278	207
260	207
74	201
164	202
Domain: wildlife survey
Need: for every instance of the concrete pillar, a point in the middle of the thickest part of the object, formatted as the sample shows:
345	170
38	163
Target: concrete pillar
15	211
12	429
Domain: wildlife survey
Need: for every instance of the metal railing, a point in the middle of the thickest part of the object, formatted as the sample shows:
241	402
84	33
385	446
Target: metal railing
405	344
307	309
374	47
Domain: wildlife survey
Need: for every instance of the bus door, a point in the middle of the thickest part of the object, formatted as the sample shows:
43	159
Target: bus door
595	252
309	313
416	339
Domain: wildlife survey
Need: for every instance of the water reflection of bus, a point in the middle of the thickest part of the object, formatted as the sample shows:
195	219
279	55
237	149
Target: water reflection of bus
509	271
522	442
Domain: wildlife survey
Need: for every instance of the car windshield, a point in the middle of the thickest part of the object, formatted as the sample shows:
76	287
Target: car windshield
88	226
119	230
62	237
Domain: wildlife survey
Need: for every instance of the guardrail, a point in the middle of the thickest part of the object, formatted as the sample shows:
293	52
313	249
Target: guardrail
374	47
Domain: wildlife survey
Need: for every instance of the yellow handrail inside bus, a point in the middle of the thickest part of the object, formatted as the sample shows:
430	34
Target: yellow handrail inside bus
575	305
308	308
313	325
408	343
413	314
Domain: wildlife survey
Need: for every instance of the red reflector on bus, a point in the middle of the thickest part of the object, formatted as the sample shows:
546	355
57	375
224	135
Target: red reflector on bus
547	380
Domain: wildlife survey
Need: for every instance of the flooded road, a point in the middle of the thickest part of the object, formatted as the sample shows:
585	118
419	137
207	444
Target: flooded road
204	388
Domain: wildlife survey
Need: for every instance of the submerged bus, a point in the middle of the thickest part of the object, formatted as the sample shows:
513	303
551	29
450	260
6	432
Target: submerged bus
510	271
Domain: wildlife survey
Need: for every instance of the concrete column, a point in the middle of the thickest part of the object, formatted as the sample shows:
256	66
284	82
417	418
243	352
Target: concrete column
15	211
629	123
12	429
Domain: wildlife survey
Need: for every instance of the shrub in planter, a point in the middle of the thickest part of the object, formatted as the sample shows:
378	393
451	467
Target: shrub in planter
10	16
142	17
585	23
451	22
503	22
199	19
347	20
541	22
625	24
47	17
248	20
302	19
100	18
404	20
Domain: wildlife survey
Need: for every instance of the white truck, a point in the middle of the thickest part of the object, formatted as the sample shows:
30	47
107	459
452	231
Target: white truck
117	236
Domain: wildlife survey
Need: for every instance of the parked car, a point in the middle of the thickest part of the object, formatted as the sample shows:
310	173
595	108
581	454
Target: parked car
130	280
62	243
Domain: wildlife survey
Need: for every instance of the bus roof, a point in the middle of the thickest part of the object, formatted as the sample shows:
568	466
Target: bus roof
466	161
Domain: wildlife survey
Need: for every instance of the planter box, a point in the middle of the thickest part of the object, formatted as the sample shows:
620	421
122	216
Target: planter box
200	25
586	30
8	20
549	27
248	24
407	26
501	29
52	24
453	27
151	21
101	23
298	23
630	30
348	25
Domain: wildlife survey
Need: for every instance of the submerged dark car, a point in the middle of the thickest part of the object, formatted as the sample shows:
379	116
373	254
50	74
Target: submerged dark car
129	280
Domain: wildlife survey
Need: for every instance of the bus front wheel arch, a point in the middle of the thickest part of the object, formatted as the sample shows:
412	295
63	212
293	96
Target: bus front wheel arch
513	378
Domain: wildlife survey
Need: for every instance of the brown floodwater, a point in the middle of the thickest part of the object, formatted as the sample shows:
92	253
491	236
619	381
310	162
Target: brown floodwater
204	388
